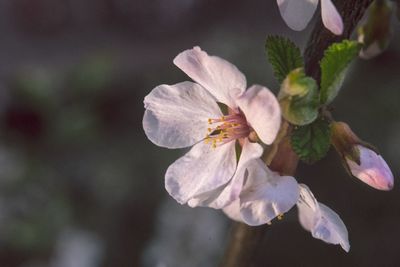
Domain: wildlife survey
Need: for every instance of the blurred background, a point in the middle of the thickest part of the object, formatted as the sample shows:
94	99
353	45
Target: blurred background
80	184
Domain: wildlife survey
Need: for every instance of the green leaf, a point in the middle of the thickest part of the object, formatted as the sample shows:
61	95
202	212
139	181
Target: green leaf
299	98
312	142
334	65
283	55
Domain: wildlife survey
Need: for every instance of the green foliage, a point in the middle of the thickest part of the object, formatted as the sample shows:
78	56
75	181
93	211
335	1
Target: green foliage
334	65
283	55
312	142
299	98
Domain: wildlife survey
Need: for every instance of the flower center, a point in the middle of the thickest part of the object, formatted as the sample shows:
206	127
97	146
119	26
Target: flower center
229	128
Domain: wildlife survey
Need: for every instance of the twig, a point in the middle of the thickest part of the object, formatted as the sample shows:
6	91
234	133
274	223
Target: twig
321	38
245	240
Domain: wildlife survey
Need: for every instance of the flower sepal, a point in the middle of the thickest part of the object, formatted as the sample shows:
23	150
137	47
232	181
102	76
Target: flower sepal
345	141
299	98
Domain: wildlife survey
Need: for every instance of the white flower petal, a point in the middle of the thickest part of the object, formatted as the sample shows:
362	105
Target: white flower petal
308	208
217	75
231	191
233	211
331	17
297	13
373	169
201	170
331	229
177	115
262	111
227	193
266	194
321	221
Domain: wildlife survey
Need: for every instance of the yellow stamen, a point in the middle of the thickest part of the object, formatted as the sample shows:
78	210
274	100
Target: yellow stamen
280	217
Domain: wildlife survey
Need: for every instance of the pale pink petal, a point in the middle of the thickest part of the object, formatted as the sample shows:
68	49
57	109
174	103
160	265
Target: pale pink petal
233	211
177	115
297	13
231	191
266	194
201	170
215	74
262	111
373	169
308	208
227	193
331	229
331	17
321	221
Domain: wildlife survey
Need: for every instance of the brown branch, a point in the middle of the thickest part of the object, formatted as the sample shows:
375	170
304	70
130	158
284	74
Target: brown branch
321	38
245	240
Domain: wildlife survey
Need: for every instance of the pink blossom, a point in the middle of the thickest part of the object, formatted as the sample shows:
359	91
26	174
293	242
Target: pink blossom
298	13
372	170
187	114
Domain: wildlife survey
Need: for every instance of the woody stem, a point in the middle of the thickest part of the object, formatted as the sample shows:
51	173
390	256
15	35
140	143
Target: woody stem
244	245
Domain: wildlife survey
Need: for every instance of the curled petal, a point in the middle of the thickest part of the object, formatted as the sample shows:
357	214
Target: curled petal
203	169
373	169
266	194
262	111
321	221
215	74
331	17
331	229
308	208
229	192
177	115
297	13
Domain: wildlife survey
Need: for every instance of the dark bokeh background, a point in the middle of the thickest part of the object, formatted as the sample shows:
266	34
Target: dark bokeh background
81	186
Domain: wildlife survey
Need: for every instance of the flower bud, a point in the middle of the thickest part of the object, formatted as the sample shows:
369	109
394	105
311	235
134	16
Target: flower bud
376	33
372	169
360	159
299	98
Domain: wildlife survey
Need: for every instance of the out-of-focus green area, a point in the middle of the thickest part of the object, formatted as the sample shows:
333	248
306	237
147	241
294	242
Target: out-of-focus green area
81	186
